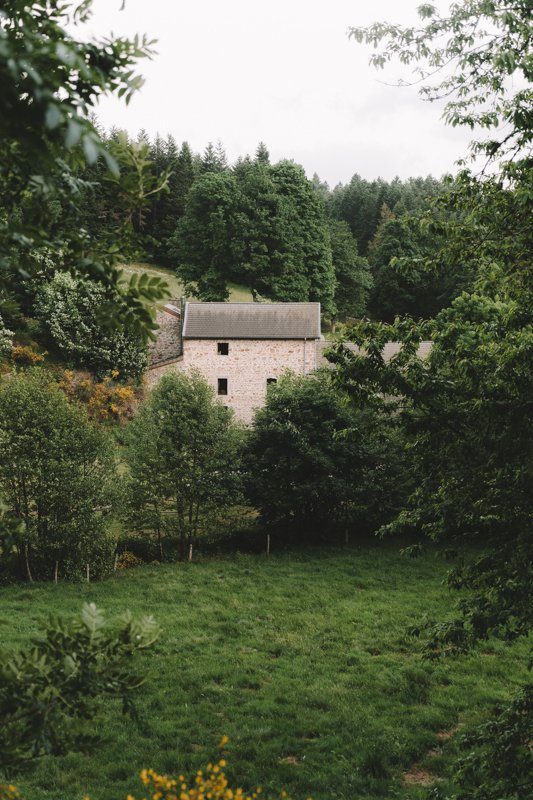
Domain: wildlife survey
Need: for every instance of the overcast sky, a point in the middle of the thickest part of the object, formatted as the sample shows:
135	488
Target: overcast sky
283	72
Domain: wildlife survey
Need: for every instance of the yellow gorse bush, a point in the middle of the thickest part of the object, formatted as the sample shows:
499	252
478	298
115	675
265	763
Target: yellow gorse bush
104	400
9	792
26	355
209	785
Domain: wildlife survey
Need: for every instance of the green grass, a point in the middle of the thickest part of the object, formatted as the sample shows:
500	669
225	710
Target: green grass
237	293
302	659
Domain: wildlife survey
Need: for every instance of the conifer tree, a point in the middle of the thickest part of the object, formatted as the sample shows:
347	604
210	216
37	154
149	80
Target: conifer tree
209	159
221	157
262	156
353	278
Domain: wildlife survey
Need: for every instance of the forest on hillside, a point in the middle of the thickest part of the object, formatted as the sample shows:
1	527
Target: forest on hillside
265	226
270	228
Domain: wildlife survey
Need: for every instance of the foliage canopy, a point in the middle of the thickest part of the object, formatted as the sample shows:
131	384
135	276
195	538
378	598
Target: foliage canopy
56	477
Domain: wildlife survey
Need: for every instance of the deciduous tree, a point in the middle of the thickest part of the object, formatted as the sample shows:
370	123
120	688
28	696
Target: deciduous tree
51	82
316	466
184	461
56	477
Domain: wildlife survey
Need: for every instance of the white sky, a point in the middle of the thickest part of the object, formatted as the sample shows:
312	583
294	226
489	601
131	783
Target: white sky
284	72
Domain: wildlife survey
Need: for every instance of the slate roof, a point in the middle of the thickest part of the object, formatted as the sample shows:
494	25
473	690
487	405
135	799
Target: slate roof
391	349
252	321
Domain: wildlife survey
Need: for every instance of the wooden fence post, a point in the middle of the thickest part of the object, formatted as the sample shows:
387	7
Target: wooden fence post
268	544
88	574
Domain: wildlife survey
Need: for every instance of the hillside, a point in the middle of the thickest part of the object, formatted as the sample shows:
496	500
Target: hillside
238	293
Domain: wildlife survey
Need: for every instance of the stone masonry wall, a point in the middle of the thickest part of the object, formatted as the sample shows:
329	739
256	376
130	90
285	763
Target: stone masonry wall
248	365
167	345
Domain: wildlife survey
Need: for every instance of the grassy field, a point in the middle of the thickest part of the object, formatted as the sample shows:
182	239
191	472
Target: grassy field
237	293
302	659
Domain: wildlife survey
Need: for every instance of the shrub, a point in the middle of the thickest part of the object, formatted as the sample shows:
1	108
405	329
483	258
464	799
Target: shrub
57	477
104	400
26	355
72	313
49	690
498	761
212	784
127	560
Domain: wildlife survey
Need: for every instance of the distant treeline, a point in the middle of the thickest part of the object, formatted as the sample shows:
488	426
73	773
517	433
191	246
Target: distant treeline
269	227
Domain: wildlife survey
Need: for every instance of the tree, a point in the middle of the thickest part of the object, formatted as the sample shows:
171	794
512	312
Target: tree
202	242
261	225
221	157
468	57
258	246
170	205
50	84
308	269
52	688
131	192
353	279
468	406
183	459
360	203
262	155
56	477
317	467
214	158
395	293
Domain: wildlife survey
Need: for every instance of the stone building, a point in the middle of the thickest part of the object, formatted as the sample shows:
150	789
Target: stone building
239	348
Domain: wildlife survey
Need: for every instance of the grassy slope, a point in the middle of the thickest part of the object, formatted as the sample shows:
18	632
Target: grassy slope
238	294
301	659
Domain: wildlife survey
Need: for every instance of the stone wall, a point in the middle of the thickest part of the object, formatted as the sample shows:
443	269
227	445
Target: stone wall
248	365
167	345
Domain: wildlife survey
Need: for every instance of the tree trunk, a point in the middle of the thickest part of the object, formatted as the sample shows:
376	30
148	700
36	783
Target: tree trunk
160	545
27	564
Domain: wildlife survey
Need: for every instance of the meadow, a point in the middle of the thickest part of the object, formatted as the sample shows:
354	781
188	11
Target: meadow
302	659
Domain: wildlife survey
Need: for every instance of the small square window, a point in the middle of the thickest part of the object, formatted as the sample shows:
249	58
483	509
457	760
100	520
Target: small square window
222	385
223	348
270	381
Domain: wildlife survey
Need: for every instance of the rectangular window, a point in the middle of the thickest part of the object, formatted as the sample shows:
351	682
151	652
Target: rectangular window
271	380
222	385
223	348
